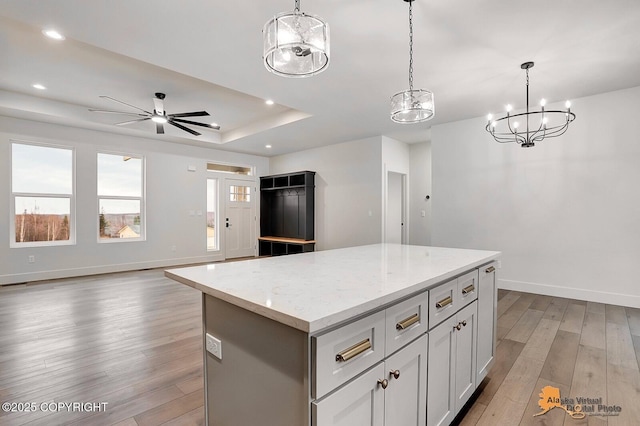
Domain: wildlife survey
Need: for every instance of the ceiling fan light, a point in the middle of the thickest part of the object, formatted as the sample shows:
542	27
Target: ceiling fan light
159	119
295	44
412	106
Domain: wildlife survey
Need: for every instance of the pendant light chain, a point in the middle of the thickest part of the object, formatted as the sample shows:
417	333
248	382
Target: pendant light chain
297	6
410	45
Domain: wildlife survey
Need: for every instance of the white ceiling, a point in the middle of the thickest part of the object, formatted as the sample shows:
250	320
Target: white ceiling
207	55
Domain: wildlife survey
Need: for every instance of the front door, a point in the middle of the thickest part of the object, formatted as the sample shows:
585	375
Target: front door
239	220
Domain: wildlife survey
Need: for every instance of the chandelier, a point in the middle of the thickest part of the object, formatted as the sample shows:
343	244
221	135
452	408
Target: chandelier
551	123
413	105
296	44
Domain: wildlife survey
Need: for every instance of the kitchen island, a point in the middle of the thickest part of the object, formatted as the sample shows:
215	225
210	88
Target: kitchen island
346	336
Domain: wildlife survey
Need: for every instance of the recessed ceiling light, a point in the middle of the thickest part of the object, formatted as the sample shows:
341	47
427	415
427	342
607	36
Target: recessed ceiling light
38	86
269	102
53	34
268	146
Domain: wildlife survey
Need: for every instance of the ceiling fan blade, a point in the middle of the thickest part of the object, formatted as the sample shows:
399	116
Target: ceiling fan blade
195	123
117	112
190	114
186	129
159	106
133	121
159	128
124	103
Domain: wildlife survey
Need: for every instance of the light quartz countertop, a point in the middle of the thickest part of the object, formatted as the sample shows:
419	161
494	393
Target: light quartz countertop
317	290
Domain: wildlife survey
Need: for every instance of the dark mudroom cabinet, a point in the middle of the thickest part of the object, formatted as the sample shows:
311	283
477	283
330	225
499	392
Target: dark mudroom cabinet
286	213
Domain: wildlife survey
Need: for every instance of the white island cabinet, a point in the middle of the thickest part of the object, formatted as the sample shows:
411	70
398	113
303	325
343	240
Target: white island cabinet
385	334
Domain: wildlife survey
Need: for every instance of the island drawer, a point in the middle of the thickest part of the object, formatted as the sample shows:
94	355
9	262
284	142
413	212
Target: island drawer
345	352
405	321
468	288
443	302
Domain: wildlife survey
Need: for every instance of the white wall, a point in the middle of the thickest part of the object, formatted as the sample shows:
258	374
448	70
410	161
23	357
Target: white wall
420	184
565	214
348	210
172	192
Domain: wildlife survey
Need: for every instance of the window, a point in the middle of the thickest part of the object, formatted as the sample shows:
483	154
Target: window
41	195
212	220
227	168
241	194
120	197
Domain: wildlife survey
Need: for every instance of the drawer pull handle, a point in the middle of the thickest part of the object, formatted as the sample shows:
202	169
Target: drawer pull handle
468	289
395	374
384	383
353	351
490	269
408	322
444	302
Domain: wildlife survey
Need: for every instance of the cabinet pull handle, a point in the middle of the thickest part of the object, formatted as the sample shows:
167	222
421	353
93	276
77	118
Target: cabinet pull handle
468	289
444	302
407	322
384	383
395	374
458	327
354	350
464	323
490	269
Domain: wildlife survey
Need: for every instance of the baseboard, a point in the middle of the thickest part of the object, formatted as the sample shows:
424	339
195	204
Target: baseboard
102	269
609	298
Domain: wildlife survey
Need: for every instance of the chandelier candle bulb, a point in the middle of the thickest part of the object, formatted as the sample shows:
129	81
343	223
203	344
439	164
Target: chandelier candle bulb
543	102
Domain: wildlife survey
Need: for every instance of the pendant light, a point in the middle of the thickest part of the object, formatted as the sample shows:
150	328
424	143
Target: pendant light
296	44
413	105
544	123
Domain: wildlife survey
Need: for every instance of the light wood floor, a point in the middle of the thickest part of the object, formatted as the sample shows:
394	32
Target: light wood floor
133	340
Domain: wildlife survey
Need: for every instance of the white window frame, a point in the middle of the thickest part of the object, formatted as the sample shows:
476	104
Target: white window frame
142	199
72	199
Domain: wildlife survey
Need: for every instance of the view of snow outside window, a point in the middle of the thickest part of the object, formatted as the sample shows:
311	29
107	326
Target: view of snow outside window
120	202
42	189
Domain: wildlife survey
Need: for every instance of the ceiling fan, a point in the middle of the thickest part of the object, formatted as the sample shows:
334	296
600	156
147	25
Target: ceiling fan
160	116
